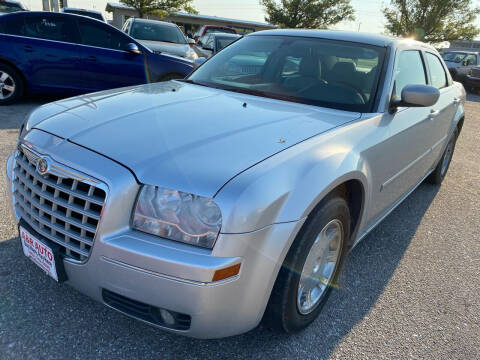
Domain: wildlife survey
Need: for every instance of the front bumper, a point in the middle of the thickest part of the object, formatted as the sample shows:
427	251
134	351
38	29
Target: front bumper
162	273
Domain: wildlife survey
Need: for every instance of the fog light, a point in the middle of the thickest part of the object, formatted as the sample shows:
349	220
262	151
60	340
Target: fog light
167	317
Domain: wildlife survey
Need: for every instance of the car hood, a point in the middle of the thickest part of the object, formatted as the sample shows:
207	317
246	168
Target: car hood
183	136
164	47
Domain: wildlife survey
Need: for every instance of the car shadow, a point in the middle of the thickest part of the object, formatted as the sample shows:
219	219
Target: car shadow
12	116
31	303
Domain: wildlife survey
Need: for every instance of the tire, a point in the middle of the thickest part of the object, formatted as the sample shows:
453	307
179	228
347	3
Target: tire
11	85
288	310
169	77
437	176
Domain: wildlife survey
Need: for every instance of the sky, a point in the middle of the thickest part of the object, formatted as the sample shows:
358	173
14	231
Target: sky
369	17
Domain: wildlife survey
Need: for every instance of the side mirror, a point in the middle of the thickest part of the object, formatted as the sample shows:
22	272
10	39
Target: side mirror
416	96
190	42
133	48
199	61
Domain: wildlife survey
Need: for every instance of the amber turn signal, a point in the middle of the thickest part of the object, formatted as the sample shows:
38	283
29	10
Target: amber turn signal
226	273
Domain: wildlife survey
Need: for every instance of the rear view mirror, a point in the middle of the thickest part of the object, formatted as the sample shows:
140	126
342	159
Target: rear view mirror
133	48
417	96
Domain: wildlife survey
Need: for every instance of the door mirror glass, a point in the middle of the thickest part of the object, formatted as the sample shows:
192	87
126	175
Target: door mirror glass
418	96
133	48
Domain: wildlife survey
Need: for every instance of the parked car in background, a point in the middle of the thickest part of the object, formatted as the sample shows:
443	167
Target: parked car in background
460	63
84	12
43	52
10	6
212	43
472	83
159	36
207	29
205	205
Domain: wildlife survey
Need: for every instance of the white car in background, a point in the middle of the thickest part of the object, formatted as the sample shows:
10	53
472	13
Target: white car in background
161	37
9	6
84	12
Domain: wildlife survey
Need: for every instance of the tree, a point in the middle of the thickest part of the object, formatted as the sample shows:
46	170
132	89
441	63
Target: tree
434	21
160	7
307	14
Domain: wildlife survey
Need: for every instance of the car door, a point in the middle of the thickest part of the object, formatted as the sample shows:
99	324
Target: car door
403	158
467	64
105	60
49	53
444	110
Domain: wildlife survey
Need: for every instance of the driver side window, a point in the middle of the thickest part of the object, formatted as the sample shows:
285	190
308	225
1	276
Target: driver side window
93	34
409	71
470	60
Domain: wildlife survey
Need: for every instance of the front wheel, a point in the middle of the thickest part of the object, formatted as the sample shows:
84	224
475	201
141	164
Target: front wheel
310	269
11	85
437	176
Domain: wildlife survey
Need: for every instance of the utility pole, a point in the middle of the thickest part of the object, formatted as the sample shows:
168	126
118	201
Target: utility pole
52	5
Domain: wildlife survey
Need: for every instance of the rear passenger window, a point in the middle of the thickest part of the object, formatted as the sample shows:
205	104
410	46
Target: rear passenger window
49	28
12	26
101	36
437	72
409	71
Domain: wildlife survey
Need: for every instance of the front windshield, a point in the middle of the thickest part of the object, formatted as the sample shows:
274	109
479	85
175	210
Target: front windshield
157	32
9	7
455	57
334	74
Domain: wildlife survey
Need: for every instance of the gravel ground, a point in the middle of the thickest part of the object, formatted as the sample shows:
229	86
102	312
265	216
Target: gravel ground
409	290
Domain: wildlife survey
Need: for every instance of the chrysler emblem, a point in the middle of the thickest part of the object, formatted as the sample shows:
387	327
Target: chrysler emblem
42	166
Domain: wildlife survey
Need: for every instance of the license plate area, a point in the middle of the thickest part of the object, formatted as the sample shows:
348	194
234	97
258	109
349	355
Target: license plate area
43	252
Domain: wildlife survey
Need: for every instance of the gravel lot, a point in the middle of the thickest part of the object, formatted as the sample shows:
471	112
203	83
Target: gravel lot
409	290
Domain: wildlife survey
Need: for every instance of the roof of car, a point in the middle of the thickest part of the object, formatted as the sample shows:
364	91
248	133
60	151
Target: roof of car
365	38
225	35
84	10
154	21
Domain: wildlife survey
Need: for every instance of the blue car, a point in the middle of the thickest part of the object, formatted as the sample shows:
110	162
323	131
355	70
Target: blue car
52	53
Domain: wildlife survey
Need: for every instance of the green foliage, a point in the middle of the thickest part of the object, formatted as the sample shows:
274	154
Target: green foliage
433	21
160	7
307	14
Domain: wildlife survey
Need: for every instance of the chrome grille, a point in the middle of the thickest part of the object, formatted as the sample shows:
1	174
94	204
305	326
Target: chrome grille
60	205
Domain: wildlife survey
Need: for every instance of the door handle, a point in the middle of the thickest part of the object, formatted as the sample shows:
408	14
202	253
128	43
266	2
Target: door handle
27	48
92	58
433	114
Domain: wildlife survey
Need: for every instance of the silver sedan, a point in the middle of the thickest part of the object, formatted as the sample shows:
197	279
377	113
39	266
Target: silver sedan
202	206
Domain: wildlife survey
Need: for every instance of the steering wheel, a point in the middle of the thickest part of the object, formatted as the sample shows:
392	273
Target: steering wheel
353	87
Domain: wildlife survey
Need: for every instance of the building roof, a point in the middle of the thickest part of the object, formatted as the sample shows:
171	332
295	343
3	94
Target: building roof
111	6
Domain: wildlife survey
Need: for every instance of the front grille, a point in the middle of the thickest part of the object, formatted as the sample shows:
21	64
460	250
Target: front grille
145	312
63	209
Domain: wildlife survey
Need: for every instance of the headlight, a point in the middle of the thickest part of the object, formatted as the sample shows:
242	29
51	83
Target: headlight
178	216
191	54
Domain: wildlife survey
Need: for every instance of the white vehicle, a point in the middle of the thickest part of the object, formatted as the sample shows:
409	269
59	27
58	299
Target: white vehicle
9	6
84	12
160	37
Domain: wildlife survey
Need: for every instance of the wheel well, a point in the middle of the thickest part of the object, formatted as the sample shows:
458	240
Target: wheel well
3	61
353	192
